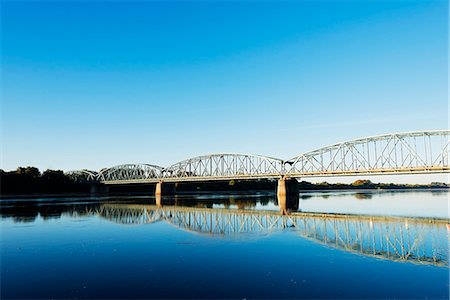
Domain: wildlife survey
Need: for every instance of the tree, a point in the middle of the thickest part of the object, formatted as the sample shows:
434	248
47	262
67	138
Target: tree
361	182
56	176
29	171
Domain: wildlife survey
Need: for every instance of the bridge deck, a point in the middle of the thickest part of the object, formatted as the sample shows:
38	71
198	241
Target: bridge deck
398	171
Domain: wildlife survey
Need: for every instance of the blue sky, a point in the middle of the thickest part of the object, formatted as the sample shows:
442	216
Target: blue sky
94	84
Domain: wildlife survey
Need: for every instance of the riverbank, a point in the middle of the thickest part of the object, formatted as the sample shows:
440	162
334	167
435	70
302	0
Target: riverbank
305	192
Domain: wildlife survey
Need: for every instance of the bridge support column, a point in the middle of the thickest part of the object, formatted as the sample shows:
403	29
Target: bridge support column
158	200
158	189
163	190
287	195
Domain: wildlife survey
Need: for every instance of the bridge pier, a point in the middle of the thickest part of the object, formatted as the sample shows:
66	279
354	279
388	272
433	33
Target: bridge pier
158	200
287	195
165	189
158	188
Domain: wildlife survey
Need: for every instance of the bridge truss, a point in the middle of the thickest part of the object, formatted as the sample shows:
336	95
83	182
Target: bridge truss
130	173
410	152
225	166
83	176
398	153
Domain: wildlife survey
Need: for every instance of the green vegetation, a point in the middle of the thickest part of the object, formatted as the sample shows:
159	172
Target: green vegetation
30	180
367	184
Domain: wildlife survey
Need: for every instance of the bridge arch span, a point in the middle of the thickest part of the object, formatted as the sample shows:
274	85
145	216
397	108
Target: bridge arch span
225	165
407	152
131	172
83	175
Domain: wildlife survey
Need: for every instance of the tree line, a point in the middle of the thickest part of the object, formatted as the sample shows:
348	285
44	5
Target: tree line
29	180
367	184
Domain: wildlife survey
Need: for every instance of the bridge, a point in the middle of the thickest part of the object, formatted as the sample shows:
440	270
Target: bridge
418	152
397	239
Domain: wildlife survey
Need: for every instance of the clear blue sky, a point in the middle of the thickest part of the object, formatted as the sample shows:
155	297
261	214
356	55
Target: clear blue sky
93	84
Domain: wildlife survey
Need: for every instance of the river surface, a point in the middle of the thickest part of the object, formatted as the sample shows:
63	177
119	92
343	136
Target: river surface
227	246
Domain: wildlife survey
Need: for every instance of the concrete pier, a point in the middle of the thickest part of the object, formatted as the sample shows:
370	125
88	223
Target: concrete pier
164	189
287	195
158	200
158	189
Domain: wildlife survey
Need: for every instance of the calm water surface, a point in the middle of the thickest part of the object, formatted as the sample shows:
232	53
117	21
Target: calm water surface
225	246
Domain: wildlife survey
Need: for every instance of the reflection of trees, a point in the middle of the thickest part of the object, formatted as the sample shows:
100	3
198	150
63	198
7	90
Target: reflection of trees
438	192
240	201
28	211
363	196
25	212
245	204
264	201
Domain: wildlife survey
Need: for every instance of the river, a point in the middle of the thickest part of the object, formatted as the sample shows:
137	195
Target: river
335	245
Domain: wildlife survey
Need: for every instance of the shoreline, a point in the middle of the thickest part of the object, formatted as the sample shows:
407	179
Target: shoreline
306	191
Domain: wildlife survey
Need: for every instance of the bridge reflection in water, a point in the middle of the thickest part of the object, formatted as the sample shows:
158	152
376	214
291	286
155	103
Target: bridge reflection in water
398	239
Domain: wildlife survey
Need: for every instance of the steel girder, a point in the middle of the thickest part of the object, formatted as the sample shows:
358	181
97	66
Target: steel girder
225	165
413	152
130	172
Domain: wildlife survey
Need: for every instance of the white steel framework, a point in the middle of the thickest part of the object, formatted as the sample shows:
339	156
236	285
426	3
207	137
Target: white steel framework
398	153
409	152
225	166
83	175
130	172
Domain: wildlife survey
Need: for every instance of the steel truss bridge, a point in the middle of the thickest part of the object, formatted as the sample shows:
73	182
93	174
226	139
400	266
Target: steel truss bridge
396	239
415	152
